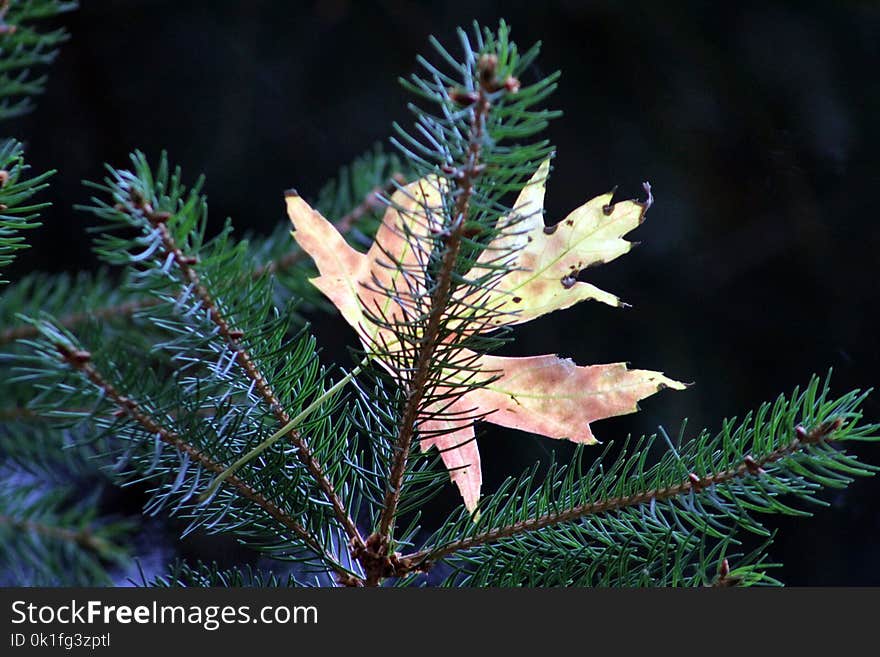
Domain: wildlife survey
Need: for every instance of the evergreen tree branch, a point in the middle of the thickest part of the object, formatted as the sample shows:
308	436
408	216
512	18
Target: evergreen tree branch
79	360
23	48
16	214
372	202
183	575
122	310
440	298
15	413
53	534
694	482
85	537
217	372
755	463
233	336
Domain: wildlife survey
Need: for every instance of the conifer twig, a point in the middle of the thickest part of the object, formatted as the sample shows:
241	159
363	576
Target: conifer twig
17	413
80	361
84	538
126	309
233	337
372	202
423	359
423	559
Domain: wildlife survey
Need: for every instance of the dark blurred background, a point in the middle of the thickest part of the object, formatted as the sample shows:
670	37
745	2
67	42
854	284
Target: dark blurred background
756	124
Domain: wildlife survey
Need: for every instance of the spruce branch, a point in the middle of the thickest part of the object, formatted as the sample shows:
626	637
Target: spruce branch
425	296
287	429
189	387
233	336
706	489
123	310
372	202
52	534
23	48
85	537
694	483
79	360
15	413
464	178
16	190
200	574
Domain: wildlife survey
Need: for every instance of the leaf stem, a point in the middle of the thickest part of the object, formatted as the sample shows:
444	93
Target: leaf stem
283	431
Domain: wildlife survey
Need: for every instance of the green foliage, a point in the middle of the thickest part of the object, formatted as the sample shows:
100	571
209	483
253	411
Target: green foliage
189	351
51	535
114	307
195	384
441	134
661	532
183	575
16	190
23	48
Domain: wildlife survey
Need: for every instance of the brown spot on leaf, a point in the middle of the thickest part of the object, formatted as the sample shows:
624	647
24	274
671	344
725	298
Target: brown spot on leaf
608	209
568	282
517	299
528	261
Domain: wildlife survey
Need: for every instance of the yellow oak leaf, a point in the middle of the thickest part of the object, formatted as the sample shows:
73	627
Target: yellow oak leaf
545	260
546	395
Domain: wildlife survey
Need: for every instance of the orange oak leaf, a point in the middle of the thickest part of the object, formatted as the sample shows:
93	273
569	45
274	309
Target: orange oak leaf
546	395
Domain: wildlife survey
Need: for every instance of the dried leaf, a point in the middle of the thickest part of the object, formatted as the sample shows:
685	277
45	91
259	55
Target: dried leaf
546	395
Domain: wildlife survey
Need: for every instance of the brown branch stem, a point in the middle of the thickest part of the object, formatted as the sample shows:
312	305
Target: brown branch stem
84	538
378	564
423	559
25	414
17	413
233	337
126	309
79	360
